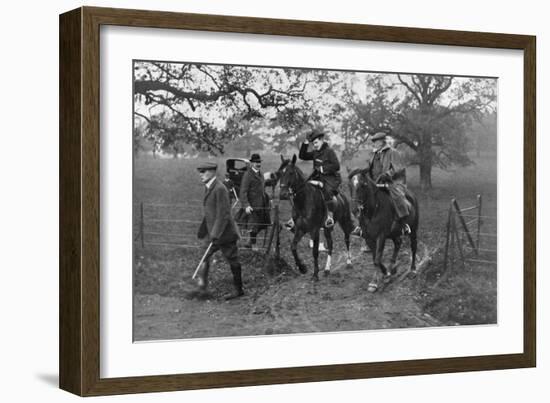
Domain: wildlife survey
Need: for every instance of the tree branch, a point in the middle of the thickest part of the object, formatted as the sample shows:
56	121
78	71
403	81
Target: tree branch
419	100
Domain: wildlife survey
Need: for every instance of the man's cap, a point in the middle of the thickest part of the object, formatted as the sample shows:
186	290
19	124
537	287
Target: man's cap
255	158
207	166
315	134
379	136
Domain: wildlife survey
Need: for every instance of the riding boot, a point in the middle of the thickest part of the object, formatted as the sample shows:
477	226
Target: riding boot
329	222
251	240
237	281
202	280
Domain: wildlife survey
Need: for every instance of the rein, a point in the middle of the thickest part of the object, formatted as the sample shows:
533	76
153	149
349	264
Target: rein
361	203
293	192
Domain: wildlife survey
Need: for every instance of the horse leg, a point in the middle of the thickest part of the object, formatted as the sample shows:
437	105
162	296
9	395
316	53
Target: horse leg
346	241
380	243
315	253
328	237
373	284
294	248
347	227
396	246
412	273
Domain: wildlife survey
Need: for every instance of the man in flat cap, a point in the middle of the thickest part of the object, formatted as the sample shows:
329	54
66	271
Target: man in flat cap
254	201
326	170
384	165
219	228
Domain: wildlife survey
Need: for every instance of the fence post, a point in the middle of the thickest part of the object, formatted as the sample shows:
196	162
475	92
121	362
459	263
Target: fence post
271	235
459	243
478	219
451	244
141	225
470	240
277	232
447	237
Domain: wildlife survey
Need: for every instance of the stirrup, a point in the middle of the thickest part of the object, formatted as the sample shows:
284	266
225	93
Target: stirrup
289	225
357	231
406	229
329	222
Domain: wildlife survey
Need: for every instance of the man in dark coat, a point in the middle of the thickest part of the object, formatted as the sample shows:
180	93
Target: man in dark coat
384	165
219	228
326	170
254	201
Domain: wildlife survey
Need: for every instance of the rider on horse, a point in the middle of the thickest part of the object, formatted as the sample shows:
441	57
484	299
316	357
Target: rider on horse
326	172
384	165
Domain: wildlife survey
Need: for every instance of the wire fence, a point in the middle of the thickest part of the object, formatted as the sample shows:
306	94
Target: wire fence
176	226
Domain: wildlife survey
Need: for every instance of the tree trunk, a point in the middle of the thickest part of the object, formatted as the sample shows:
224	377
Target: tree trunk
425	175
425	163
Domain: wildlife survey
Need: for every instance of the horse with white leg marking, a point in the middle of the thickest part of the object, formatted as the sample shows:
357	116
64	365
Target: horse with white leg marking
309	211
379	221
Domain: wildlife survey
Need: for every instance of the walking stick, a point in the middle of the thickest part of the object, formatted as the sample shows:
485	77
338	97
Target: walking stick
236	197
202	260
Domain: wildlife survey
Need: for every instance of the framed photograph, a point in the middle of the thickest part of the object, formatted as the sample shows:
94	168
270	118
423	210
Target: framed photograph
248	201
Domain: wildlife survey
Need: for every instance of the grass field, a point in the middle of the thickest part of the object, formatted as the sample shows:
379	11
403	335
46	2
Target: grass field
171	194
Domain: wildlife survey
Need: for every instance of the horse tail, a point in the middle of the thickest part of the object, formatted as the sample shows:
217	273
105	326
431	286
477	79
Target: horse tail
346	221
414	202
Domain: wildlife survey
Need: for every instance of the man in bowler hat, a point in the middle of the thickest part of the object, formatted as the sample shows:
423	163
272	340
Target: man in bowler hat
219	228
254	201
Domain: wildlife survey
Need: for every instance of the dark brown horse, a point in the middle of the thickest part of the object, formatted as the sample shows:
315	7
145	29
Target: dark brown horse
309	211
372	204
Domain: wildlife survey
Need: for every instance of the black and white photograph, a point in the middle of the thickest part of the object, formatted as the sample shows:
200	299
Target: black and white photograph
273	200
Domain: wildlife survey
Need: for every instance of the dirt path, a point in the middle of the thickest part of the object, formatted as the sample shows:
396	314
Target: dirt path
287	303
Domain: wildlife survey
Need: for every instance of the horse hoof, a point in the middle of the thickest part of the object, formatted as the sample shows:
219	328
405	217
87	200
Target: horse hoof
387	279
302	269
326	273
372	287
349	266
315	278
412	274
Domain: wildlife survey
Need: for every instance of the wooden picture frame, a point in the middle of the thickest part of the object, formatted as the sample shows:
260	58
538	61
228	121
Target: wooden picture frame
79	280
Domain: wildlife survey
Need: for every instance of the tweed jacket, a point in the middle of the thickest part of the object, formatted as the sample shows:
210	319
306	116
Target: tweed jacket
385	161
218	224
388	161
252	189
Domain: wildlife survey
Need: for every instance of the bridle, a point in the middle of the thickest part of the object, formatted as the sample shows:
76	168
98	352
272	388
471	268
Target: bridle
356	183
292	192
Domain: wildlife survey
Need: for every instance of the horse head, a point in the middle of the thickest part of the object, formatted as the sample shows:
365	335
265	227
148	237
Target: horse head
290	177
362	190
